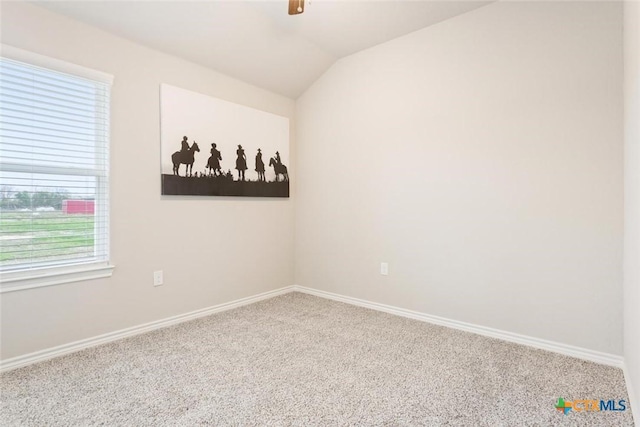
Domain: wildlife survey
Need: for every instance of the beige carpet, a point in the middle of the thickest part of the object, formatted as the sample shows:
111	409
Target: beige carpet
305	361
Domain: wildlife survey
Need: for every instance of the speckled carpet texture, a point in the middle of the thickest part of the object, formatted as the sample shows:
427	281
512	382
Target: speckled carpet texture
301	360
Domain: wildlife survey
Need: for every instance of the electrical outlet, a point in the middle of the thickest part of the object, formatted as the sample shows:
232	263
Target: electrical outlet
158	278
384	268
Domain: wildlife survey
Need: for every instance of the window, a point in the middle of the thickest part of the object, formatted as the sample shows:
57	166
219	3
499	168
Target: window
54	171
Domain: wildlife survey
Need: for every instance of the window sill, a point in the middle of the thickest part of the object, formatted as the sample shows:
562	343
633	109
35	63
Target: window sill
21	280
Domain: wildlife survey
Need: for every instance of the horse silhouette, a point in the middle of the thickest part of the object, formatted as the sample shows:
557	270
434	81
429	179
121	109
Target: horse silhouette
213	166
184	158
279	169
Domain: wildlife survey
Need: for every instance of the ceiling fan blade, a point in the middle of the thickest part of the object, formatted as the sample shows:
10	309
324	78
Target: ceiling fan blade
296	7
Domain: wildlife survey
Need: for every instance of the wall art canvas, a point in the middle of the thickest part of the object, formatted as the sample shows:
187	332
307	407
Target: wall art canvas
212	147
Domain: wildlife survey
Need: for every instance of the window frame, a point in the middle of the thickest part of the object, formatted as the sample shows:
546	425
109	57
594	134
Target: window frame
73	270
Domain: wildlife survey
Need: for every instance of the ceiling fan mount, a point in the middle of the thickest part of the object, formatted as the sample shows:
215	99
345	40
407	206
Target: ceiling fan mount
296	7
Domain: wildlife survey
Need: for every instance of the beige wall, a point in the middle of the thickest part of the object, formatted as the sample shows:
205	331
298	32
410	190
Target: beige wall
482	158
212	250
632	198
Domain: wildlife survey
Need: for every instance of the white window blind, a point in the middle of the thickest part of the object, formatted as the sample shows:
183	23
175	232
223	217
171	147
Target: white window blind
54	164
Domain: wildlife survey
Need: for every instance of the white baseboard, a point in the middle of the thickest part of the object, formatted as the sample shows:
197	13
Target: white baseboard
61	350
567	350
556	347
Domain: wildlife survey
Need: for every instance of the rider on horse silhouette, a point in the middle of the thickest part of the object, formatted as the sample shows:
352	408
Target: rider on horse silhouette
213	164
278	167
241	162
185	156
260	166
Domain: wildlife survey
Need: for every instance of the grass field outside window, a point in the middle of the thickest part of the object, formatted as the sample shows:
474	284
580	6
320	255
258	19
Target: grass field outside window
53	236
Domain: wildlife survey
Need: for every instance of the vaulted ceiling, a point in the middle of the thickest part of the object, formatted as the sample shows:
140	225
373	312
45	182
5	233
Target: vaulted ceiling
257	41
